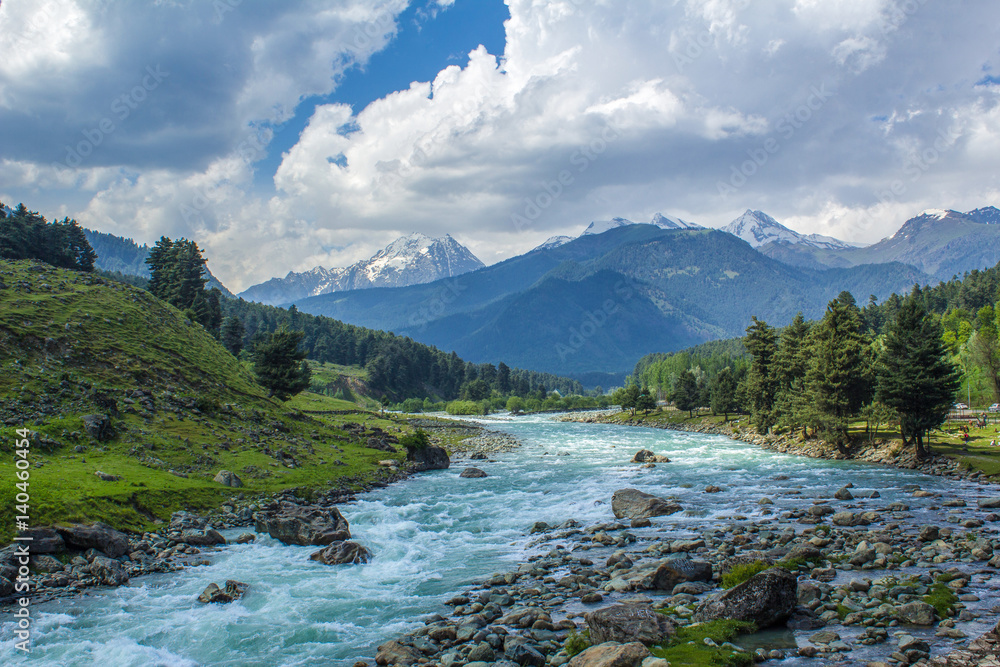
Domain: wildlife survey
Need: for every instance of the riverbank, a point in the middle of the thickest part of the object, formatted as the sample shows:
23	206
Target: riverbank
883	452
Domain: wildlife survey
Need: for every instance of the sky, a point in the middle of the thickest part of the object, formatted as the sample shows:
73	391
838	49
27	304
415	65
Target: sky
282	136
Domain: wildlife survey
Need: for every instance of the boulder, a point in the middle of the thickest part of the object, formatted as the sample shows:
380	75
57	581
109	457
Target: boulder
473	473
634	504
108	571
45	563
202	538
98	427
765	599
228	478
394	653
428	458
843	494
234	590
612	655
916	613
342	553
928	533
673	571
246	538
304	525
44	540
98	536
646	456
989	503
106	477
624	623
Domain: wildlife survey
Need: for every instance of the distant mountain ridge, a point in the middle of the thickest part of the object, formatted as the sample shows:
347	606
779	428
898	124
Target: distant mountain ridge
409	260
122	255
942	243
758	228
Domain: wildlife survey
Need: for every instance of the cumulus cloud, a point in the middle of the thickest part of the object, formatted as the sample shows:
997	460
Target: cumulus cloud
810	110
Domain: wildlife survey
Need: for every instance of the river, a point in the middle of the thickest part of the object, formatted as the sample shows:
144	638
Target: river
431	536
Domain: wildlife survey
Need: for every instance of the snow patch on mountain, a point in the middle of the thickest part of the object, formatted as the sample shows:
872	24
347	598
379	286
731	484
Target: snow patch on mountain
659	220
409	260
553	242
758	228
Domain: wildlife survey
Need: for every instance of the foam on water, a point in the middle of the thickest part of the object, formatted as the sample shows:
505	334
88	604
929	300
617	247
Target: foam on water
431	536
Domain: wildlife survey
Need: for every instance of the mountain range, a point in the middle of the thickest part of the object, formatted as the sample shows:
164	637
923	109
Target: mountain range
601	301
408	260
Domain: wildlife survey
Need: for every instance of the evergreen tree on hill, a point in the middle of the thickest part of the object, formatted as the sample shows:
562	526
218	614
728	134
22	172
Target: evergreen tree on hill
232	335
279	365
761	385
686	393
724	393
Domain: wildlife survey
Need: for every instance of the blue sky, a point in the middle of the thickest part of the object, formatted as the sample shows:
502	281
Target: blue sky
282	136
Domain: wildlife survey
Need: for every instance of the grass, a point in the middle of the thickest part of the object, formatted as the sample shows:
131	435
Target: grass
942	599
577	643
742	573
687	648
71	344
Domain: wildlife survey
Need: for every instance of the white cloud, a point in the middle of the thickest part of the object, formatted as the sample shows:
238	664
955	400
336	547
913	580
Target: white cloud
594	109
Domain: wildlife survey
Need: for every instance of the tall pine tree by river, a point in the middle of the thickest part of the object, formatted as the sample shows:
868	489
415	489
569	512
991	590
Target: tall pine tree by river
915	375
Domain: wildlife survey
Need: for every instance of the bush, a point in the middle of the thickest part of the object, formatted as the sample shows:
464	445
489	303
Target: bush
515	404
415	441
463	408
576	643
413	405
741	573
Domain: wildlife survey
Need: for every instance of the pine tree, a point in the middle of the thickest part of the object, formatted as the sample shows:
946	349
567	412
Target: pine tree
761	386
791	362
724	393
280	366
160	263
232	335
686	394
645	401
914	374
629	397
837	380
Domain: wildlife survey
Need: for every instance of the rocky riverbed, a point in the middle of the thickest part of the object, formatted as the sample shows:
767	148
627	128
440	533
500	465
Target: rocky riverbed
852	582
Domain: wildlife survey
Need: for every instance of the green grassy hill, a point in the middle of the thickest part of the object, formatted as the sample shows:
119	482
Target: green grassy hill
182	408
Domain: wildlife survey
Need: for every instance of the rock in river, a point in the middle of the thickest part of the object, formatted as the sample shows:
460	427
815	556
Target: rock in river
342	553
473	473
634	504
234	590
765	599
628	622
304	525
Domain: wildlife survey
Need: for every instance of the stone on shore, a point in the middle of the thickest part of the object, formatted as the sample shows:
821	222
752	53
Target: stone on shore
625	623
916	613
634	504
202	538
612	654
44	540
428	458
304	526
342	553
98	536
108	571
394	653
765	599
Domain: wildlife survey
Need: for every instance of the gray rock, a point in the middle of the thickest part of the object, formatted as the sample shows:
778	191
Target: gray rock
646	456
862	557
634	504
916	613
305	526
228	478
482	652
6	587
473	473
623	623
45	563
523	654
394	653
202	538
98	536
98	427
44	540
766	598
106	477
428	458
843	494
989	503
928	533
612	655
342	553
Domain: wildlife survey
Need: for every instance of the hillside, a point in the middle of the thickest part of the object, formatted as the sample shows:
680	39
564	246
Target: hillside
179	406
600	302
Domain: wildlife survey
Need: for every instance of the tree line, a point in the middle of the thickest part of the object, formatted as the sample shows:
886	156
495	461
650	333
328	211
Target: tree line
26	234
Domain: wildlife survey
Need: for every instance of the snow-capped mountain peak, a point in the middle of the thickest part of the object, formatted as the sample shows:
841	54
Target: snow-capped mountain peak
758	228
660	220
553	242
988	215
409	260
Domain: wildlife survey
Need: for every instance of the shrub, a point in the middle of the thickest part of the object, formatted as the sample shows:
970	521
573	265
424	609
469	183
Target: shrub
415	441
576	643
463	408
413	405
